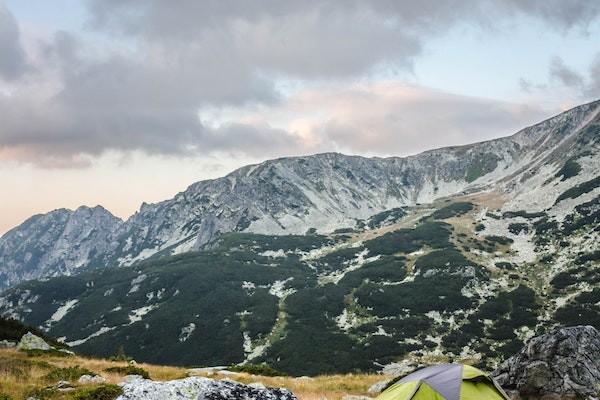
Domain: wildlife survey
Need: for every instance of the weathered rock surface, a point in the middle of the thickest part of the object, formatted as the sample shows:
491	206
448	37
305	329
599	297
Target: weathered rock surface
378	386
562	364
29	341
88	379
7	344
199	388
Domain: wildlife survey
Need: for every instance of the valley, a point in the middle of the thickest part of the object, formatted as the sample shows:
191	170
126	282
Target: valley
457	254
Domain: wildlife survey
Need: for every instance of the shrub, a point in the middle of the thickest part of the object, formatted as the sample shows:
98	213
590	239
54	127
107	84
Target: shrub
104	392
518	227
452	210
67	374
570	169
129	370
503	240
580	189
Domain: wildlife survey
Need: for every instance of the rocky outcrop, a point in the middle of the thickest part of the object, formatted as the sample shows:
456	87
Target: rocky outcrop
199	388
29	341
562	364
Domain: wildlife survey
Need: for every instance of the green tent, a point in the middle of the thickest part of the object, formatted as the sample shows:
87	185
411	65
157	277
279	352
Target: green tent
445	382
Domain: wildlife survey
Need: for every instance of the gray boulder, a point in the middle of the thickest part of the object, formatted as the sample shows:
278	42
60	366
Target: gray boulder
562	364
91	379
7	344
378	387
198	388
31	342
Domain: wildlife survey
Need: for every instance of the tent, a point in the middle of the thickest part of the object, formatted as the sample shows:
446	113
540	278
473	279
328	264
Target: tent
445	382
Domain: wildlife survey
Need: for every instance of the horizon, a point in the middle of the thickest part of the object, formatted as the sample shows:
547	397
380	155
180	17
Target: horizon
112	104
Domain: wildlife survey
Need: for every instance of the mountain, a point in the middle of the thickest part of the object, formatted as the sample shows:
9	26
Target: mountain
293	195
456	253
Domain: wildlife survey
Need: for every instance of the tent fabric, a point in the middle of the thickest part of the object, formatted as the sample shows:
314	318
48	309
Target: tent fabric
445	382
445	379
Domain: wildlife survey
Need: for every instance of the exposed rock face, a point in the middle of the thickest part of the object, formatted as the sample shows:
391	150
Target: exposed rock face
29	341
199	388
91	379
562	364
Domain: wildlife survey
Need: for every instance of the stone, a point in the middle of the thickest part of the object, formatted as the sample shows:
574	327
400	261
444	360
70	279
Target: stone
378	386
131	378
199	388
564	363
91	379
257	385
29	341
7	344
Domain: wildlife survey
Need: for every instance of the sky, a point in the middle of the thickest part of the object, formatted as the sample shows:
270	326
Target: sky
119	102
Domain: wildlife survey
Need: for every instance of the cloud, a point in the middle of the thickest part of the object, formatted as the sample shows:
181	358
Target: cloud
12	56
390	118
166	64
584	87
564	74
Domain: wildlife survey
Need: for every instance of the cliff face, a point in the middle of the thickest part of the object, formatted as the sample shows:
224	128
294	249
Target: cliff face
563	364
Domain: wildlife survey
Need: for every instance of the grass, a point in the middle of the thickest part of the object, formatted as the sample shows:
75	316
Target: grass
22	376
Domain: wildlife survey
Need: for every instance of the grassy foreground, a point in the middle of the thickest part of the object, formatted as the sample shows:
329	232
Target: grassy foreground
23	375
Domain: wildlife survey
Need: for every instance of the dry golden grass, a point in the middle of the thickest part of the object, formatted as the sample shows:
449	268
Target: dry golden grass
21	374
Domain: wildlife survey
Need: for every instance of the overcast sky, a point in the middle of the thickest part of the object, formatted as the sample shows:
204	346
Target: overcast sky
115	102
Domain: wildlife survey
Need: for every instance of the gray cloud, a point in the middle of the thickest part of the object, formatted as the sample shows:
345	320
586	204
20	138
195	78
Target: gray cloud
145	93
12	56
585	86
564	74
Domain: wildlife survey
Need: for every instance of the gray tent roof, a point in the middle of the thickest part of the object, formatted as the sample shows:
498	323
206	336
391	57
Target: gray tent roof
446	379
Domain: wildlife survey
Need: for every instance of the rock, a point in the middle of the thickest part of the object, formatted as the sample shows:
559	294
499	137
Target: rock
401	368
63	386
353	397
199	388
131	378
304	378
7	344
94	379
31	342
257	385
378	387
563	363
227	372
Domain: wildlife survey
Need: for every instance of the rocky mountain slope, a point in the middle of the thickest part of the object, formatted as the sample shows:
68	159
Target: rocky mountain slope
507	251
323	192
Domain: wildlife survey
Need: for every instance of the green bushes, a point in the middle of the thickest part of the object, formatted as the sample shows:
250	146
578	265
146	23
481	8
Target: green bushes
104	392
434	234
502	240
129	370
578	190
523	214
13	330
67	374
570	169
518	227
452	210
386	217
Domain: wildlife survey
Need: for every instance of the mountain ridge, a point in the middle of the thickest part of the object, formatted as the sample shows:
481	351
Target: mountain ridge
326	191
